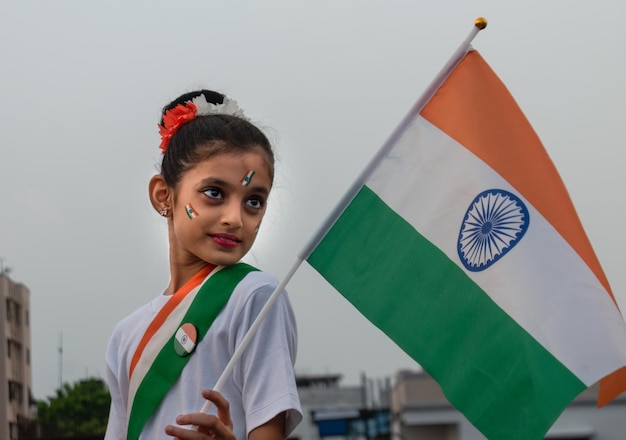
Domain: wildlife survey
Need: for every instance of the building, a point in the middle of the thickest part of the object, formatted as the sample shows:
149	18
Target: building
421	411
341	412
15	371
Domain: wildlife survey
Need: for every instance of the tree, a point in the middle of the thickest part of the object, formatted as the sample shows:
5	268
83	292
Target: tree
78	410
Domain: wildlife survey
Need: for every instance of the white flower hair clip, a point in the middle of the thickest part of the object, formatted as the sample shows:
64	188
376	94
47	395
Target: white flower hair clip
228	107
174	118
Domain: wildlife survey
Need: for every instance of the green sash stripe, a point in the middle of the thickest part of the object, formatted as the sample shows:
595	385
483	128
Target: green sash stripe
167	366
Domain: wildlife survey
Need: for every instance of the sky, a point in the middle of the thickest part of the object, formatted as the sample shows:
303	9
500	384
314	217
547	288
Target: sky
82	85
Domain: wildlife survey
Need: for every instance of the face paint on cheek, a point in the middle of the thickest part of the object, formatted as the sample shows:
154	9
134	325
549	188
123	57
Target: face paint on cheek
245	180
191	213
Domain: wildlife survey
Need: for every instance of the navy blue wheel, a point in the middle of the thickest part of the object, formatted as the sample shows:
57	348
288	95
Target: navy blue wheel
494	223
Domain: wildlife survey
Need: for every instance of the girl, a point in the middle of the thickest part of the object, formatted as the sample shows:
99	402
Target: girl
216	175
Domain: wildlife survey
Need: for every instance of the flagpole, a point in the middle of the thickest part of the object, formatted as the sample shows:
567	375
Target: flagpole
457	56
479	24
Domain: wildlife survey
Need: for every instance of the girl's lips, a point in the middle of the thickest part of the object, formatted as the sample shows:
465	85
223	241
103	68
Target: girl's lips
225	240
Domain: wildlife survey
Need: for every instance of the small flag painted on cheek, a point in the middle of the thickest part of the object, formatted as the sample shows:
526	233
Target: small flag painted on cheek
185	339
245	181
191	213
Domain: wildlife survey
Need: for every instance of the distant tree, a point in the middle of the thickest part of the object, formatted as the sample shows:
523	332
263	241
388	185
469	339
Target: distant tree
81	409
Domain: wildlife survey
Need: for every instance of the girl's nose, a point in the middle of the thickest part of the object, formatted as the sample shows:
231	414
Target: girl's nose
232	215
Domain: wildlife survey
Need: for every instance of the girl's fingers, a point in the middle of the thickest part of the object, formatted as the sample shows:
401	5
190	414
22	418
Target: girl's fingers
186	434
208	426
222	405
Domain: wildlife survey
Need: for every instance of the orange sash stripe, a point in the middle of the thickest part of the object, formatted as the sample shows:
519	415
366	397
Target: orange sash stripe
165	311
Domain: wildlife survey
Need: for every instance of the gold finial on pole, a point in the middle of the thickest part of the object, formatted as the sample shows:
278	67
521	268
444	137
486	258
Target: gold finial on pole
480	23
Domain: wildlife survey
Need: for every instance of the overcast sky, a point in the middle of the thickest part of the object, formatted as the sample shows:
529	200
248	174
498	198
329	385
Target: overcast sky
82	84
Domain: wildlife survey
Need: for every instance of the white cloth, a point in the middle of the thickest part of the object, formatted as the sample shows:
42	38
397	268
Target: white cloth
262	384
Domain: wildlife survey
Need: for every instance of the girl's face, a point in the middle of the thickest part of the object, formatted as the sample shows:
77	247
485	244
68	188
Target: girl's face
218	207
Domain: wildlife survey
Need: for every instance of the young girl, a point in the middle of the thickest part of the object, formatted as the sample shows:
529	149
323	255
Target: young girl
216	175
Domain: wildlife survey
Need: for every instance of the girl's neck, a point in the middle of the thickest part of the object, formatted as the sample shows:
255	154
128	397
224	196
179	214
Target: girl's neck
179	275
182	266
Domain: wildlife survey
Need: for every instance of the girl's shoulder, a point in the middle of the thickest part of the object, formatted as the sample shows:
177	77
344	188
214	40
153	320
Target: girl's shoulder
256	284
253	291
139	318
258	279
128	331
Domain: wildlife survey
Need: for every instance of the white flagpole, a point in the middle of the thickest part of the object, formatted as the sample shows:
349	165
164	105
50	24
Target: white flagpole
457	56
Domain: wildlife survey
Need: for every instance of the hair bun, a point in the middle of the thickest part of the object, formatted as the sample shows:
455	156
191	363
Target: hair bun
191	105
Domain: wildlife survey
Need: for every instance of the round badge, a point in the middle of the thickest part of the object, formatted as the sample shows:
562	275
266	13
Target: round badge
185	339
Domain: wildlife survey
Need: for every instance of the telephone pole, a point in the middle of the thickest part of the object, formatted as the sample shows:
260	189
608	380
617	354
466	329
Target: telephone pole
61	361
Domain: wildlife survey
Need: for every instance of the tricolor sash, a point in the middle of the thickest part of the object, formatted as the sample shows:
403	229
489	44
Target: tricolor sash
156	364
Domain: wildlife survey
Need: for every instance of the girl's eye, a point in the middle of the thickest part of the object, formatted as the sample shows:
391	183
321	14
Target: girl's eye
254	203
213	193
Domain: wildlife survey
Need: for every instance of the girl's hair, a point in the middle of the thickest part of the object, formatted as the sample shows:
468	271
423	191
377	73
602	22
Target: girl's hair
206	136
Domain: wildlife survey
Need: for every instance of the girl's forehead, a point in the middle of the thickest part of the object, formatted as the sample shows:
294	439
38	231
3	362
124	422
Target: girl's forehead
253	161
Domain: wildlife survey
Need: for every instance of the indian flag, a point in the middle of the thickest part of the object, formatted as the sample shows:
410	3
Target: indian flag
463	246
245	180
185	339
191	213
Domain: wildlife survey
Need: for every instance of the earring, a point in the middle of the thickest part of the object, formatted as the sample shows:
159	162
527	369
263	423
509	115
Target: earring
163	212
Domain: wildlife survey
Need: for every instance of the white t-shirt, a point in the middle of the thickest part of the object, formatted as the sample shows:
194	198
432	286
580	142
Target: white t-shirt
262	384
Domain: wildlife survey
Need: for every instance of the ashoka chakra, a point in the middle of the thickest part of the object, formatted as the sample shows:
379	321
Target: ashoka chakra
494	223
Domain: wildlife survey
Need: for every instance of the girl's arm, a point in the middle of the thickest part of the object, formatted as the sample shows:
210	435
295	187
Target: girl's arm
272	430
221	427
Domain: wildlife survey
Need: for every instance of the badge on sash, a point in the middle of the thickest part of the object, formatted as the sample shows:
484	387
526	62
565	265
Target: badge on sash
185	339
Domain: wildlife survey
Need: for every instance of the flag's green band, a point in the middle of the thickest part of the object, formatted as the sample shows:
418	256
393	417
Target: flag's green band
207	304
484	361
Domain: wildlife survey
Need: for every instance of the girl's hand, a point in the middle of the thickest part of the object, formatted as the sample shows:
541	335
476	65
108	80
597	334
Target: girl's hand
208	426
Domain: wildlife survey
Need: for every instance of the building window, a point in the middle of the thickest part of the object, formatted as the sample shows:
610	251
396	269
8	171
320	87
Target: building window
28	356
16	392
14	349
27	318
14	311
14	431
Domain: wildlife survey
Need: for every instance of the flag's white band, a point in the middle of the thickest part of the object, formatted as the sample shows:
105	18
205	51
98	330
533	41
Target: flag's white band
551	305
184	340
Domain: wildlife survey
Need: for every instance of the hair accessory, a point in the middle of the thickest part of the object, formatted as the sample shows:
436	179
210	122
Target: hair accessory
163	212
174	118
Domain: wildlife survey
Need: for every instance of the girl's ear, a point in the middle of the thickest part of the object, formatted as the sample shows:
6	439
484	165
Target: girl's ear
160	195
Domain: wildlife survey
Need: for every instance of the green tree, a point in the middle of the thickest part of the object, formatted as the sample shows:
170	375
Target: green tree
77	410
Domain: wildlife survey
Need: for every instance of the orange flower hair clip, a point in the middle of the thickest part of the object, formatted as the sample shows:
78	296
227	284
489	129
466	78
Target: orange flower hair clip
174	118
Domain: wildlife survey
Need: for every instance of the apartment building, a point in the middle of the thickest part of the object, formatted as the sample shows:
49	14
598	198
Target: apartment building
15	369
421	411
